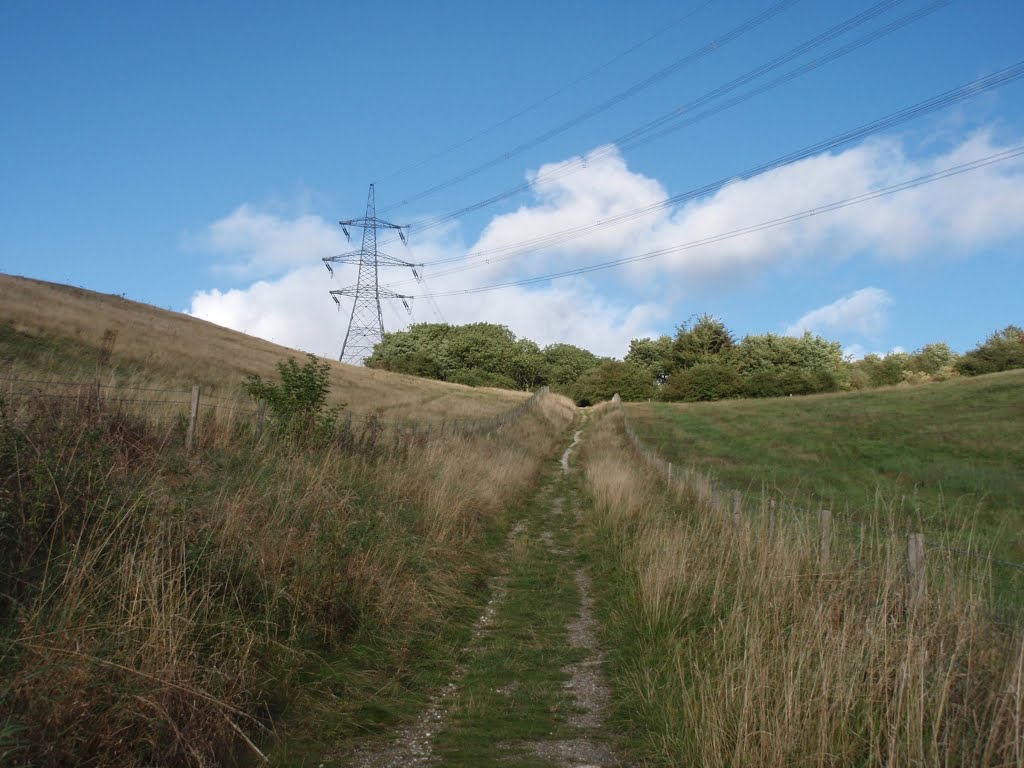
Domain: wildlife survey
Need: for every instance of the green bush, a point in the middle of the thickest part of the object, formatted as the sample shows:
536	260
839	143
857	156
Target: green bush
611	377
298	405
1002	351
477	377
703	381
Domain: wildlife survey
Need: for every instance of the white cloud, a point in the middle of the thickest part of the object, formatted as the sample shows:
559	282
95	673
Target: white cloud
252	243
864	312
295	310
604	310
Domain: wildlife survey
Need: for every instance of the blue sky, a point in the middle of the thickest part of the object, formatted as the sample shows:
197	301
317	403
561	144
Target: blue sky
198	156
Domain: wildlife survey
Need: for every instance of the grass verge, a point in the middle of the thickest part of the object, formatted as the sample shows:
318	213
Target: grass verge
947	456
161	608
739	646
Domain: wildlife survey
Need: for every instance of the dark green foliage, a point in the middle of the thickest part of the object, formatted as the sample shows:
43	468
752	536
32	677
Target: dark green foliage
884	371
932	358
760	365
706	341
703	381
611	377
653	355
1002	351
479	354
477	377
565	363
298	405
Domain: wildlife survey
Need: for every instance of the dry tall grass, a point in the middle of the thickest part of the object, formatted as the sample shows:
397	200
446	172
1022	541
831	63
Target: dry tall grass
158	608
156	348
742	650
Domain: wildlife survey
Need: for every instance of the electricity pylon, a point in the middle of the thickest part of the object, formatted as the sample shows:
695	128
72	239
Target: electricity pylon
365	324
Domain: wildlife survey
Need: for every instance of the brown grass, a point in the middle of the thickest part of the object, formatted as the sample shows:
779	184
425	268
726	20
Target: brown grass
740	649
172	350
159	609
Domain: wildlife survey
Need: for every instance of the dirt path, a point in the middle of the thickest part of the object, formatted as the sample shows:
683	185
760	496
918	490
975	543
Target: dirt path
530	689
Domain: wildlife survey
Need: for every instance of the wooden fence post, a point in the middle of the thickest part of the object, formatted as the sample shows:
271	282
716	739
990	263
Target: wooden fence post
670	472
737	509
261	417
915	568
825	517
193	418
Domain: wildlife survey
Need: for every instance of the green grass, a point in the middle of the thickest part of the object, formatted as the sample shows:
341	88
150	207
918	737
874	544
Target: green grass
950	454
512	693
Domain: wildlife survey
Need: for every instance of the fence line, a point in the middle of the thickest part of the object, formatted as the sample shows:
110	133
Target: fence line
197	404
702	485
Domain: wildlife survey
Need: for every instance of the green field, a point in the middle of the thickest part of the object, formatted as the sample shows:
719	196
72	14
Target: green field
950	454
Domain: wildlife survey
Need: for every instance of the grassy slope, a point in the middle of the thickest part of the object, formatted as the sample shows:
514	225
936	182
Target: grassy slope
735	645
57	330
154	603
950	451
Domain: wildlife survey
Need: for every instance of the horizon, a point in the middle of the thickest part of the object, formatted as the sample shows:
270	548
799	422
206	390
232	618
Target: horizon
211	183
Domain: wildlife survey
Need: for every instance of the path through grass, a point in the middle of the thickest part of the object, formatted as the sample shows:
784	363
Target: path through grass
529	689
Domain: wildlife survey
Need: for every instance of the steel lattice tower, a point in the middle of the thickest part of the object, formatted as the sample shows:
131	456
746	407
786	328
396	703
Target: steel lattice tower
365	324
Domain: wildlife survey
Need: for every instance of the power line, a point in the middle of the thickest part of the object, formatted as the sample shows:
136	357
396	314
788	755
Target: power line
618	98
683	117
956	95
553	94
956	170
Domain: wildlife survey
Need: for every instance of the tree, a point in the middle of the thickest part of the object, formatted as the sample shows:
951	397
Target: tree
1001	351
706	341
611	377
298	405
564	364
480	354
703	381
652	355
931	358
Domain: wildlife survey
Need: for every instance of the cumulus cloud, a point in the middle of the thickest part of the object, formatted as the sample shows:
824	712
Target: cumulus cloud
253	243
296	310
602	311
864	312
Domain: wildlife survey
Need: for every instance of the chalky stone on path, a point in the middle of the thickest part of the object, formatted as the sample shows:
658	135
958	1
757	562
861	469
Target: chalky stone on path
539	635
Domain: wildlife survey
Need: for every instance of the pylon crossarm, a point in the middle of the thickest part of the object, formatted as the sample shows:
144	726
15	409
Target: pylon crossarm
353	291
383	260
378	223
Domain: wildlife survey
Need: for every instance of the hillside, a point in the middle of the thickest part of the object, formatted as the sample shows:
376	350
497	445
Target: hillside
58	330
950	453
170	597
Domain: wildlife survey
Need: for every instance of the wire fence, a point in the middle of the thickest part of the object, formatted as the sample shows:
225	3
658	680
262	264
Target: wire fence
189	408
733	500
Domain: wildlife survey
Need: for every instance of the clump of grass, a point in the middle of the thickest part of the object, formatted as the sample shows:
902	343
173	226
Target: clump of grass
736	646
167	608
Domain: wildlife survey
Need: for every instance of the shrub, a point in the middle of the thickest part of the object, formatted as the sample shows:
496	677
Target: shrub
298	405
1002	351
477	377
703	381
610	377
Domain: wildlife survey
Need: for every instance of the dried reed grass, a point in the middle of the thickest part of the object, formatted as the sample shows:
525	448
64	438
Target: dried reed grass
750	653
159	607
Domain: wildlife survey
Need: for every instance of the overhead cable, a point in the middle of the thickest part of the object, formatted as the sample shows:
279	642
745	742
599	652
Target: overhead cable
992	159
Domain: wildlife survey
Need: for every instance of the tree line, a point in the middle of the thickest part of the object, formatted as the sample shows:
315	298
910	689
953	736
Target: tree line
703	361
